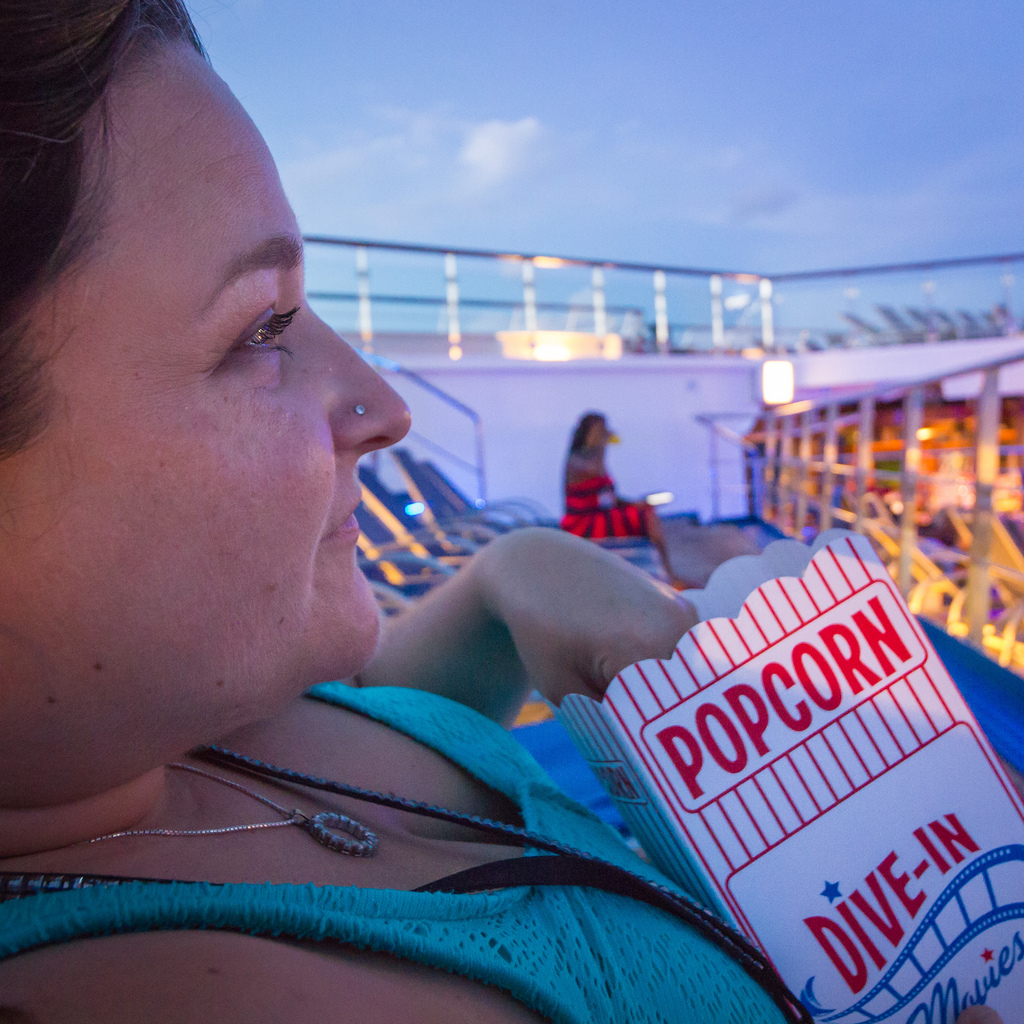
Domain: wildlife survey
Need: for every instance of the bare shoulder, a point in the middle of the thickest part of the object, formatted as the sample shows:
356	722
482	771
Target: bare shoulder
195	977
580	467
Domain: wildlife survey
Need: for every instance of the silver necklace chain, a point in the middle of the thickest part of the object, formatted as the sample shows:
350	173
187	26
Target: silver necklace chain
362	843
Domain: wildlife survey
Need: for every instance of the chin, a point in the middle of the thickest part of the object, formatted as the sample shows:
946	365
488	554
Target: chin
350	630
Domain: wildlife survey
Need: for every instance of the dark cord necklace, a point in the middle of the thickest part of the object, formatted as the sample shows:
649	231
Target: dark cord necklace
578	867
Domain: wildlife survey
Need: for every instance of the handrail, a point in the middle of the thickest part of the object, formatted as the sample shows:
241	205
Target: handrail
716	429
897	268
450	400
538	258
607	264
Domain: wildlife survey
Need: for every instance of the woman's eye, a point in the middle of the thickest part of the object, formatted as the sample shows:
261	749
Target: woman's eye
272	328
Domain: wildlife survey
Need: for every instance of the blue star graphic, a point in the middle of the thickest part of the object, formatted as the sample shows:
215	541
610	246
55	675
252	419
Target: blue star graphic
831	891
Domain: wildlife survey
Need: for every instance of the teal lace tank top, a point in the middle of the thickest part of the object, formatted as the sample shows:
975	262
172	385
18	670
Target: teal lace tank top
574	955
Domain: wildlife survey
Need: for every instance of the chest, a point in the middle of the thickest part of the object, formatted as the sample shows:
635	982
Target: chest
323	741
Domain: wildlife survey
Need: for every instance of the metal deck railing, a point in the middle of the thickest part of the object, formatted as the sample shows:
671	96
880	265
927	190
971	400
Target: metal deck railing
824	462
670	308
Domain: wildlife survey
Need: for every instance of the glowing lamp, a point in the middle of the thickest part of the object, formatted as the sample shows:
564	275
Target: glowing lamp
777	381
415	508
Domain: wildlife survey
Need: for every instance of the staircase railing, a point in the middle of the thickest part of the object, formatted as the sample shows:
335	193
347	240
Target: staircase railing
478	466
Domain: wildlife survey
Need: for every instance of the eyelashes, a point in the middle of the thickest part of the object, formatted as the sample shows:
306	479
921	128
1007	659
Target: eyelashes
273	328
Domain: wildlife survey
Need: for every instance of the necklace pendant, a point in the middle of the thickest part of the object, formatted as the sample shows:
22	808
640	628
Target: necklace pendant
362	844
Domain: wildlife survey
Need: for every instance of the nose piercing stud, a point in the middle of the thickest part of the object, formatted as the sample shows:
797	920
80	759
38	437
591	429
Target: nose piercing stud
359	410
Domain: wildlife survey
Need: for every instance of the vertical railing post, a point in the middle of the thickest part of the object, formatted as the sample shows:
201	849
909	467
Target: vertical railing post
481	464
785	488
451	292
717	315
529	298
987	413
660	312
754	463
803	474
716	503
830	456
865	459
600	313
767	316
771	471
363	288
913	415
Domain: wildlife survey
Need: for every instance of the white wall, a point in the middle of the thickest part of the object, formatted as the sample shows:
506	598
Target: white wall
530	408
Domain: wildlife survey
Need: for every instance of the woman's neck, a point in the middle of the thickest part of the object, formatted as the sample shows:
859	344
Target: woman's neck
26	830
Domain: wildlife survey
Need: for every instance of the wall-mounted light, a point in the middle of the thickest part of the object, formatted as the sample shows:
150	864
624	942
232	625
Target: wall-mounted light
777	384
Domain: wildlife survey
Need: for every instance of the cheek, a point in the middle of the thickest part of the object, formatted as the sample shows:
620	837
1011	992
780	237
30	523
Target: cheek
209	533
255	498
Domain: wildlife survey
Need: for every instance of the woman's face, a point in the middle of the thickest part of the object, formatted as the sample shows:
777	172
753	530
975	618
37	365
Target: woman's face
597	435
177	549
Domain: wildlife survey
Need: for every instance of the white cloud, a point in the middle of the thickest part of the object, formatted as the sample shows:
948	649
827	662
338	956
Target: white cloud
497	150
435	176
411	174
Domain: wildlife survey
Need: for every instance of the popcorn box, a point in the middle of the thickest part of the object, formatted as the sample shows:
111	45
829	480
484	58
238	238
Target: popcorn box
805	764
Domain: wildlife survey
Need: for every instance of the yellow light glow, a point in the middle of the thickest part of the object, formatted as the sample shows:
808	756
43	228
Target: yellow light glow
548	261
745	278
552	352
777	385
559	346
925	433
454	351
611	346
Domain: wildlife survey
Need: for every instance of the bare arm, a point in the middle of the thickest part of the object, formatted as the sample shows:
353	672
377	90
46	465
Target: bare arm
535	608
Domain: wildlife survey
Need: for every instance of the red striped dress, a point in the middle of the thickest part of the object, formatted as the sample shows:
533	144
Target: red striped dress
592	510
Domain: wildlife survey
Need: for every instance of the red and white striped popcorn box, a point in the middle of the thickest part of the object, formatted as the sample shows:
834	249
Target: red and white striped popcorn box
809	769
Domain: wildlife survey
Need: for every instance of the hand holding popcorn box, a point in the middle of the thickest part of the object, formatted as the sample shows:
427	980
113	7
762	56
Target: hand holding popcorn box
804	763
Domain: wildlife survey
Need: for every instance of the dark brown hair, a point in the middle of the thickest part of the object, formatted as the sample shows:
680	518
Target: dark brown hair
579	435
56	59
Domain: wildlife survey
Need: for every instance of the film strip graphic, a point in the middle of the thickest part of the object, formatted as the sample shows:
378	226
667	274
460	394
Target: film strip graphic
989	891
826	766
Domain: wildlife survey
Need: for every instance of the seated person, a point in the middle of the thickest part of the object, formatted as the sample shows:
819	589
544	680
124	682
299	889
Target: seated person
592	508
179	435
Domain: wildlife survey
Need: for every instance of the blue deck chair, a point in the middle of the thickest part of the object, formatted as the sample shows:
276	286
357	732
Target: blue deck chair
405	574
391	526
450	506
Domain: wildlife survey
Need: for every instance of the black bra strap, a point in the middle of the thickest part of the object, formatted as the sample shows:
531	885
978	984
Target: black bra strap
598	874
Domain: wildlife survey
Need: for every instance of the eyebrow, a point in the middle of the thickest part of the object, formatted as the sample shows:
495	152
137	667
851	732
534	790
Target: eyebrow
282	252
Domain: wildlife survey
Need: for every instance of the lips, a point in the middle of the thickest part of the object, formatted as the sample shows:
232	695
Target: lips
347	530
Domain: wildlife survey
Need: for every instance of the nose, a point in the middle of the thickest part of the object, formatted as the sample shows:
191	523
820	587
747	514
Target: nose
364	411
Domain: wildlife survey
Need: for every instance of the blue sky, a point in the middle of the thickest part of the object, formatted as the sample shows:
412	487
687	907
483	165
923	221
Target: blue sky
770	136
